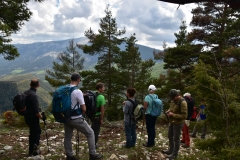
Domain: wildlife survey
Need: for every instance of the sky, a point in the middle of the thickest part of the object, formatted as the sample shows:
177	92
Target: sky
152	21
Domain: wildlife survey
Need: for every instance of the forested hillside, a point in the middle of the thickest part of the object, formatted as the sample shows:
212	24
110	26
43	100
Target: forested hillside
8	89
11	85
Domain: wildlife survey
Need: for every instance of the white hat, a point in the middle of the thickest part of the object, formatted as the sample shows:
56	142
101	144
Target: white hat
152	87
186	95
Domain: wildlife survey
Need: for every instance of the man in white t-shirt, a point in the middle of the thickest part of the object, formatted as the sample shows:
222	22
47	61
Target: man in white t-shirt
78	122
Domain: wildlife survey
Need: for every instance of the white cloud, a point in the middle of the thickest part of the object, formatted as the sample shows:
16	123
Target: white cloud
152	21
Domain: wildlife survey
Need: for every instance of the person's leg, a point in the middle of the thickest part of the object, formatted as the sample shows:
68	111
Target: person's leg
183	135
127	129
176	138
204	130
187	136
153	130
170	138
96	127
148	126
68	132
81	125
195	129
134	135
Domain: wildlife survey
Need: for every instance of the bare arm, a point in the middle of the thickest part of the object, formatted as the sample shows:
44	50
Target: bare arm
83	108
102	114
145	105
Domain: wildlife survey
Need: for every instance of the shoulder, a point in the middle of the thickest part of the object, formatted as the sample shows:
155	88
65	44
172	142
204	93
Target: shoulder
77	92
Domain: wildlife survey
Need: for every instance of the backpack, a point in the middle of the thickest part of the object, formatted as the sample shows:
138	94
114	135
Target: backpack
194	114
190	104
61	104
90	98
137	111
19	102
157	107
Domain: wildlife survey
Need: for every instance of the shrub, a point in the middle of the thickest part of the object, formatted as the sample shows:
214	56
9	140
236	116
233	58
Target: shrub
11	119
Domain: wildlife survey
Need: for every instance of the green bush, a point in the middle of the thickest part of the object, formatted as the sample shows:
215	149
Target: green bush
113	113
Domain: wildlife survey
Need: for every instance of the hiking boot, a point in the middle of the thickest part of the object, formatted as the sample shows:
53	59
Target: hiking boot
185	146
147	145
182	141
171	156
193	136
36	151
72	158
95	156
168	152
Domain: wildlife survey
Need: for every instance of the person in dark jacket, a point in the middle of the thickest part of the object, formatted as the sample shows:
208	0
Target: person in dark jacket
32	118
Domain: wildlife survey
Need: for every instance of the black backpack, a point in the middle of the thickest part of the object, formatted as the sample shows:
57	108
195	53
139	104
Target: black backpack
90	98
137	111
190	103
19	102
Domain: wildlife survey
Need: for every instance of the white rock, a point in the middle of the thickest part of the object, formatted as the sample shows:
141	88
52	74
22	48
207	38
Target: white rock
8	147
113	156
2	151
123	156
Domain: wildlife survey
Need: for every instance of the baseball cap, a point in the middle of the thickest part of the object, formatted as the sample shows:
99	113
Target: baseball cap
173	93
152	87
187	94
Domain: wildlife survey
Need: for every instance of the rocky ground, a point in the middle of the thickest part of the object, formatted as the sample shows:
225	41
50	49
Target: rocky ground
14	144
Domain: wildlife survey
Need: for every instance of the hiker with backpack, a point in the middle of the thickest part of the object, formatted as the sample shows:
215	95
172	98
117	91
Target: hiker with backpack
177	113
129	118
97	118
201	117
152	110
185	132
76	121
32	116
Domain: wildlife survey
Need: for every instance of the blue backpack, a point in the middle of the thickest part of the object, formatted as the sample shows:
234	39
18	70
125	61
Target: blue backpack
157	106
61	104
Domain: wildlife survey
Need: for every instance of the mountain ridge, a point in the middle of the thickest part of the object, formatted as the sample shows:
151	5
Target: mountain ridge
40	55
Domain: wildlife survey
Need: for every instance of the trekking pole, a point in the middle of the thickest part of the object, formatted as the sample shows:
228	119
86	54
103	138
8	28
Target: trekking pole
45	126
77	145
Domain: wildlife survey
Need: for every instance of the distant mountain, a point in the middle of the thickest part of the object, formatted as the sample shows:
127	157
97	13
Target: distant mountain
39	56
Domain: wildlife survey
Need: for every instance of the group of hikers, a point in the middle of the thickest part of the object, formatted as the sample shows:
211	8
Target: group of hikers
179	114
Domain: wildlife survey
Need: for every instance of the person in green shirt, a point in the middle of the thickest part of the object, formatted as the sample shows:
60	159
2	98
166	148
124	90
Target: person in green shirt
97	119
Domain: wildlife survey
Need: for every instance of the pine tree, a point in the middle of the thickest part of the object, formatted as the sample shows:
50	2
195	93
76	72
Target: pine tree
68	61
216	29
133	71
12	17
105	44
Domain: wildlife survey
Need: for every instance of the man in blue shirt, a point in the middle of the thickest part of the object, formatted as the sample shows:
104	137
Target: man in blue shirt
200	118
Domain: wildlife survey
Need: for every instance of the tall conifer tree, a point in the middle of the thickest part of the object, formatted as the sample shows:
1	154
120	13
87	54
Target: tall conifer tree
68	61
105	44
134	72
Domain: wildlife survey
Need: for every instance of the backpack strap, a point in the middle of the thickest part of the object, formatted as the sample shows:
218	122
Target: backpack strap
179	104
74	110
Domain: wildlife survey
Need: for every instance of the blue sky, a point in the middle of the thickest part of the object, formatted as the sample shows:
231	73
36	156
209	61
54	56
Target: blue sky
153	21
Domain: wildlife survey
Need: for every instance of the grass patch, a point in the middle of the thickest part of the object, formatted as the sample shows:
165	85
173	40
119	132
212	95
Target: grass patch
17	71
